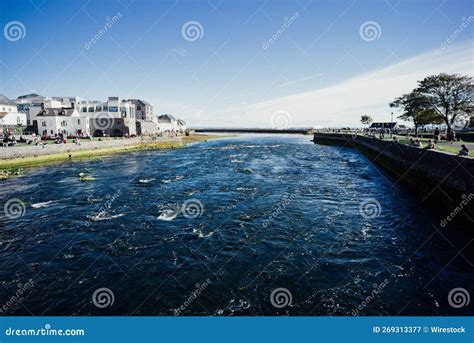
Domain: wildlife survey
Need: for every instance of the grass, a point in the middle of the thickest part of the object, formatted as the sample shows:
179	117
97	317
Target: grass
12	167
445	147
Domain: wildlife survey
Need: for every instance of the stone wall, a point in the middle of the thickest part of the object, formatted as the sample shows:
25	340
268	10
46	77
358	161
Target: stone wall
435	175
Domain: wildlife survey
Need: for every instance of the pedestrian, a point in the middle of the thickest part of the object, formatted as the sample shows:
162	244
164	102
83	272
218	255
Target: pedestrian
464	151
436	135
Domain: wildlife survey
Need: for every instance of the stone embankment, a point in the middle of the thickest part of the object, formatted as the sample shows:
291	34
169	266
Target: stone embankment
437	176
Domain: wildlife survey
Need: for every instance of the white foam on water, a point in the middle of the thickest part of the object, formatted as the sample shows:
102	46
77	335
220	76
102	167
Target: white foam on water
146	180
43	204
103	215
168	215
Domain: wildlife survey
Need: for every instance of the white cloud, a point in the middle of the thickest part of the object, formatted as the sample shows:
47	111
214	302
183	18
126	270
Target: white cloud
343	104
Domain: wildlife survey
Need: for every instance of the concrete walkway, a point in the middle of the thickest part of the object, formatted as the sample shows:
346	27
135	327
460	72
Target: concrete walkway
52	148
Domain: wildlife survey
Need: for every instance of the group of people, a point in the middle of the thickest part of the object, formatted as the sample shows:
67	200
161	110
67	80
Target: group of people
432	145
450	136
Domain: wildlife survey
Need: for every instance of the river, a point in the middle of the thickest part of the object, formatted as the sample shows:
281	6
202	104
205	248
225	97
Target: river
216	227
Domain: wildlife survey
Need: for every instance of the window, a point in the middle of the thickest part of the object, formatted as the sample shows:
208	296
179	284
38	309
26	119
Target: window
98	108
64	123
78	122
84	109
52	132
113	109
91	109
18	120
43	123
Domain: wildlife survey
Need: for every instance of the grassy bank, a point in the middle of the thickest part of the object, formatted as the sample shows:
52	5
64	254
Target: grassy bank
12	167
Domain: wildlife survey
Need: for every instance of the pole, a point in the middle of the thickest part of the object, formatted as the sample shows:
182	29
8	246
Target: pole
391	124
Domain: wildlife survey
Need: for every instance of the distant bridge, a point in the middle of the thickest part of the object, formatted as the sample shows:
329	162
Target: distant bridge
301	130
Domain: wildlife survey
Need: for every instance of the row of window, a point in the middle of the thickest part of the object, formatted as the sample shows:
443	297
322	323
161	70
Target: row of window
105	109
63	123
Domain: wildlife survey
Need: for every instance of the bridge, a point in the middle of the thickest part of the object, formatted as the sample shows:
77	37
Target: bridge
300	130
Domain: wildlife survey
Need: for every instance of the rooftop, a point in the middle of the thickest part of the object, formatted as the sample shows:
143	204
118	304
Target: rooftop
51	112
5	101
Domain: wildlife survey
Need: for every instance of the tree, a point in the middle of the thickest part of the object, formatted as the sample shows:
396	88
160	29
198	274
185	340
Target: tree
365	119
416	107
447	95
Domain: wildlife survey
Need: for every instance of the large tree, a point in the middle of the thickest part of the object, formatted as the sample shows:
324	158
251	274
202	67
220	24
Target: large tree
416	107
448	95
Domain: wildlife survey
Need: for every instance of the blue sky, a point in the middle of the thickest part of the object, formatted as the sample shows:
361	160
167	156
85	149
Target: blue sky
313	72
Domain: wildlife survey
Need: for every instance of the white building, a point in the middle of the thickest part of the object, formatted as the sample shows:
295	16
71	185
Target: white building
167	124
34	104
66	121
115	117
181	125
68	101
11	121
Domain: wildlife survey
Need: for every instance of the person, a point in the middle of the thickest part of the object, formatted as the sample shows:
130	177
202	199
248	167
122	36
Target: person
417	143
464	151
436	135
412	142
431	145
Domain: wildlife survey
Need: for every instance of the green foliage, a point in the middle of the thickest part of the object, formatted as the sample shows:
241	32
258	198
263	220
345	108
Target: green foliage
366	119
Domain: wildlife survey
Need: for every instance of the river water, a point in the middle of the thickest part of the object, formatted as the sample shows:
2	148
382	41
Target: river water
216	227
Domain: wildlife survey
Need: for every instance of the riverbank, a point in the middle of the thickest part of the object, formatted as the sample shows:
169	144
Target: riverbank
13	159
436	176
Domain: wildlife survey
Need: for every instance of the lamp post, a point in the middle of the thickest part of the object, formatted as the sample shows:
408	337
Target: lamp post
391	125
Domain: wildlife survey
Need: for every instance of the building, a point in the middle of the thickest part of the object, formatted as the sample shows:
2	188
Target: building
32	105
144	111
181	126
167	124
66	121
115	117
68	101
145	120
11	121
381	125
